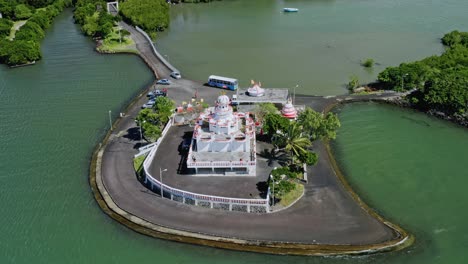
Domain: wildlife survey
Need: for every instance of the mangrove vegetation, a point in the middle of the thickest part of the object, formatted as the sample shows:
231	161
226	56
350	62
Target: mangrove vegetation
22	28
439	83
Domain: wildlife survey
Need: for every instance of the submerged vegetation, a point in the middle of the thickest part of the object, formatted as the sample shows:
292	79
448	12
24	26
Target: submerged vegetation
440	83
25	46
368	63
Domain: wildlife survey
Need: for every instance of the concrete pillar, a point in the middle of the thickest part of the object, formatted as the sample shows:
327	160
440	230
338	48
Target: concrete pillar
248	208
196	202
172	197
183	199
211	205
230	206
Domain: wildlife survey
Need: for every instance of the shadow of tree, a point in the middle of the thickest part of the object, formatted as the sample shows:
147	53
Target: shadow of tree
273	159
262	188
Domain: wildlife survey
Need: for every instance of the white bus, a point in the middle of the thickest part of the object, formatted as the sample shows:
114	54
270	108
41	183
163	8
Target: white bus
222	82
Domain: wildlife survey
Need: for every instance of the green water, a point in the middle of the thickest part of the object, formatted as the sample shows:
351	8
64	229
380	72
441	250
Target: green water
318	48
52	115
413	169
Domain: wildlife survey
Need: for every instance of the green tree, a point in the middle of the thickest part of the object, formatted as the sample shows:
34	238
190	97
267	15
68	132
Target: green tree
309	158
19	51
22	12
292	141
151	132
148	116
41	18
280	185
164	108
455	38
7	8
263	109
30	31
273	122
318	126
151	15
91	26
5	27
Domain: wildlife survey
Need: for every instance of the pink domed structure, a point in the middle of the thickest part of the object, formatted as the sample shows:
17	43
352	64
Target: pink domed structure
289	111
256	89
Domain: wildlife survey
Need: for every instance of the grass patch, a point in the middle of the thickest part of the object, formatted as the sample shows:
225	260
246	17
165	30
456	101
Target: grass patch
138	163
112	43
293	195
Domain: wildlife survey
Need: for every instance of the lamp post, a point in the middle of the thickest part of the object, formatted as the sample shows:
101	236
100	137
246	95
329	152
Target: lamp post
160	180
294	96
273	193
402	80
140	125
110	119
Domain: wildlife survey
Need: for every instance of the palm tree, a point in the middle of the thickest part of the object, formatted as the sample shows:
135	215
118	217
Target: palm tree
292	142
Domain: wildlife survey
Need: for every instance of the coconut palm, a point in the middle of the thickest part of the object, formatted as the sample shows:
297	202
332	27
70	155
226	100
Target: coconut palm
292	142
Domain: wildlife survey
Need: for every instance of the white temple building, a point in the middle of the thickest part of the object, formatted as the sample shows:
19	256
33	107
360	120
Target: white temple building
223	142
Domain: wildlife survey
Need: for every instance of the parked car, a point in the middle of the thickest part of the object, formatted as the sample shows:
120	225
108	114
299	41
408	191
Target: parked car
157	93
164	81
176	75
149	104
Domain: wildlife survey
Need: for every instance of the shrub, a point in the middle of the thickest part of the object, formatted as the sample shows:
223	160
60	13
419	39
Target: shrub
353	82
5	27
368	63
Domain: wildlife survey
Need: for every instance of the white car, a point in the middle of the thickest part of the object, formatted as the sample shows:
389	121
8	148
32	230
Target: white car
149	104
176	75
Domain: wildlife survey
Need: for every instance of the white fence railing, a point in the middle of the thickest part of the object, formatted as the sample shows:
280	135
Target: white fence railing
227	203
155	51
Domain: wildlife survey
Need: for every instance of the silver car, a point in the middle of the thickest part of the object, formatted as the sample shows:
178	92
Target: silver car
176	75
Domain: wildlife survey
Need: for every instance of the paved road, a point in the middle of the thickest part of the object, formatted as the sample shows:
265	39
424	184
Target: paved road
327	214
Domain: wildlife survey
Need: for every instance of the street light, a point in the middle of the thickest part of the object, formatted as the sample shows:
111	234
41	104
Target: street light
140	125
294	96
120	36
160	180
402	80
273	180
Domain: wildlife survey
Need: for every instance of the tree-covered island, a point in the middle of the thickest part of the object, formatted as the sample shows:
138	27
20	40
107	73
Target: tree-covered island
440	83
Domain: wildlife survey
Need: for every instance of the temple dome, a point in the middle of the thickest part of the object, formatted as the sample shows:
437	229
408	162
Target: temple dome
223	100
